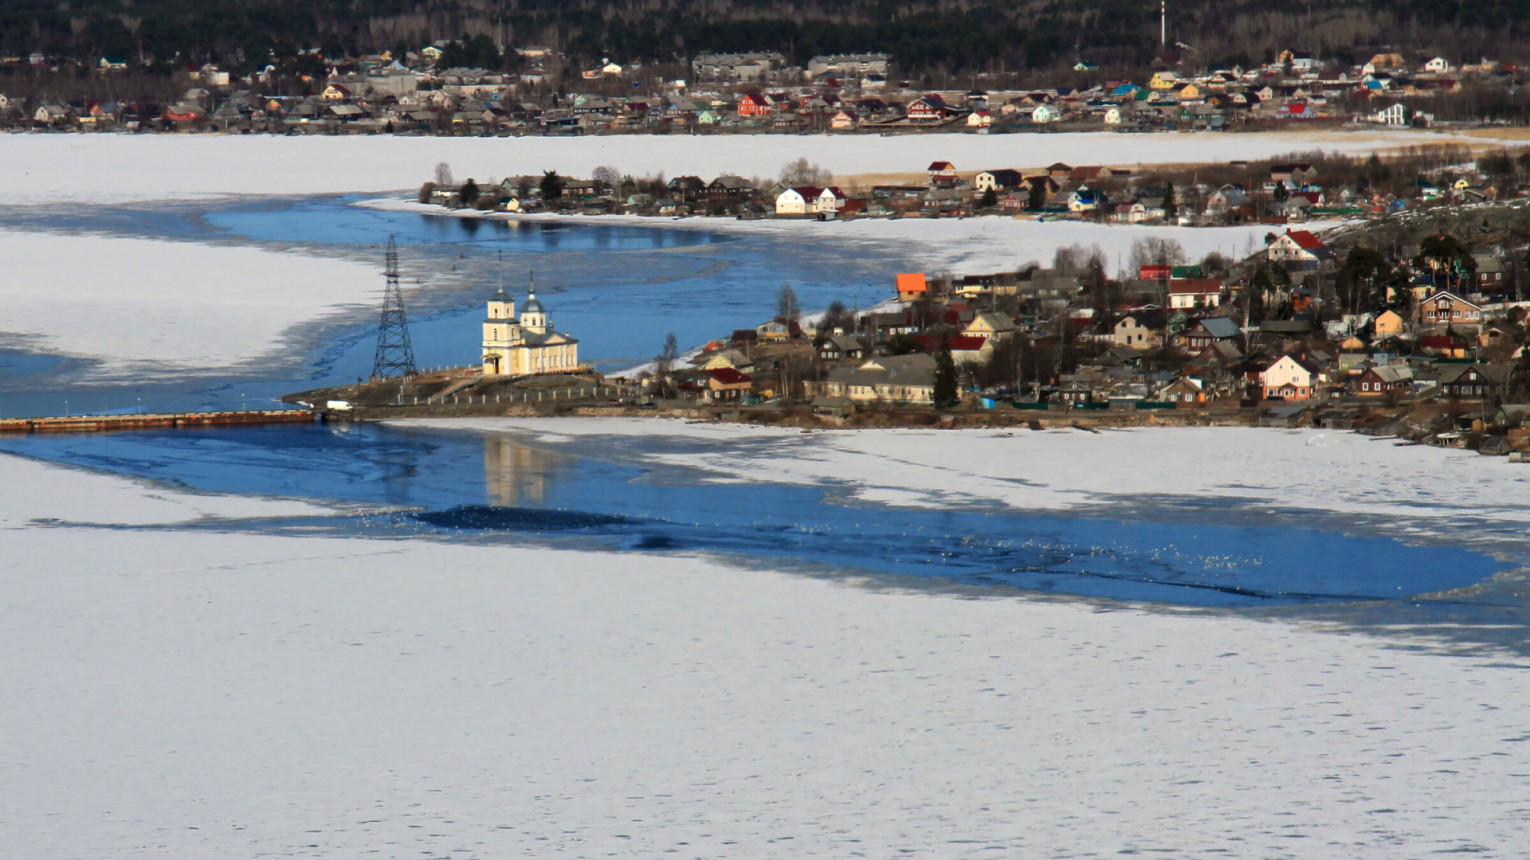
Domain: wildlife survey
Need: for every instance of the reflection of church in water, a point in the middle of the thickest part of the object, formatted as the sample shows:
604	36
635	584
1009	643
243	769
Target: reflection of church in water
528	345
516	474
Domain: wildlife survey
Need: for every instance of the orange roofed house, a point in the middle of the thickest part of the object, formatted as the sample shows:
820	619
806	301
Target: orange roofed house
912	287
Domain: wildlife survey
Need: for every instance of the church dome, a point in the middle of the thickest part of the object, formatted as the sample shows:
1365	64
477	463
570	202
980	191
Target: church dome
533	306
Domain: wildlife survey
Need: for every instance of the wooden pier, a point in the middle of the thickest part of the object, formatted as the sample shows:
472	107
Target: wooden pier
154	421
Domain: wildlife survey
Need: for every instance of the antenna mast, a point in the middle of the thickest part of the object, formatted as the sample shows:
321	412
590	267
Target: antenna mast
1163	23
395	355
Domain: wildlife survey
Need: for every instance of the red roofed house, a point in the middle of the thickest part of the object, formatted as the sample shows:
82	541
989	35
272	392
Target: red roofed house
753	104
1299	250
970	349
943	174
809	200
928	109
726	383
912	287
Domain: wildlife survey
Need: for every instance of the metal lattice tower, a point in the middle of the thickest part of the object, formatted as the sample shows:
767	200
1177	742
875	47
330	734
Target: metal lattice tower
395	356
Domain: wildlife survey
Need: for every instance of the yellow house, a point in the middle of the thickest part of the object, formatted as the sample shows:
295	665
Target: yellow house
990	326
1387	324
1190	92
1163	81
526	346
912	287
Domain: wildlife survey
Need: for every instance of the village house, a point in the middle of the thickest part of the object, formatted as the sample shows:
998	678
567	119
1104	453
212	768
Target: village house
1474	381
1386	379
1139	330
1299	250
1448	309
931	108
1290	378
810	200
902	379
727	384
1190	293
912	287
1388	323
1002	179
839	347
1185	389
728	190
990	326
1205	333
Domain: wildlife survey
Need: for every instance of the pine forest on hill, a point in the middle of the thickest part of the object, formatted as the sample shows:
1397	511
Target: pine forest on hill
923	36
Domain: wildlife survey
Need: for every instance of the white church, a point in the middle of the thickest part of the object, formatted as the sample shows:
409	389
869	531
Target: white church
529	345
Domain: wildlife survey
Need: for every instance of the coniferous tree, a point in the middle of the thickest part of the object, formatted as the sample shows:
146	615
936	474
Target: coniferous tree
945	375
552	185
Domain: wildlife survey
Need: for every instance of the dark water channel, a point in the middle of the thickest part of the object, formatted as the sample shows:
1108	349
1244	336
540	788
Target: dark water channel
466	485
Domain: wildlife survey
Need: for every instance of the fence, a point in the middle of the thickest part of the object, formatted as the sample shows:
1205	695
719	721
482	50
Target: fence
541	395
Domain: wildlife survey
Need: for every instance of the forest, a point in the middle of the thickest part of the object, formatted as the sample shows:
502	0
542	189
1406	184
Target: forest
949	36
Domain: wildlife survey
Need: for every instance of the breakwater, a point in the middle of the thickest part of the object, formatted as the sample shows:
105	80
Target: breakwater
152	421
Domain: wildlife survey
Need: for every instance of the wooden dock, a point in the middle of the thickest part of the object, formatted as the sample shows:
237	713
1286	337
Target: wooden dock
153	421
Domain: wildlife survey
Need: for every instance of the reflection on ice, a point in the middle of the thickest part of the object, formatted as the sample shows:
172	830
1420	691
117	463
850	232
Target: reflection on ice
462	482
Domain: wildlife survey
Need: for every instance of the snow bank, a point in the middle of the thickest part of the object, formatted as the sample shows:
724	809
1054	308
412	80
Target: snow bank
107	168
148	309
1065	469
185	694
977	245
37	492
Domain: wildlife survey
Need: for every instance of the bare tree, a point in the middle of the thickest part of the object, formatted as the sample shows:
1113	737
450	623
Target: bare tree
787	309
607	175
1071	259
803	172
1156	251
444	175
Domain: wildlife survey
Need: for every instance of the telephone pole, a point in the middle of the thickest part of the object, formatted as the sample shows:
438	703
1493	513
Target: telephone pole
395	355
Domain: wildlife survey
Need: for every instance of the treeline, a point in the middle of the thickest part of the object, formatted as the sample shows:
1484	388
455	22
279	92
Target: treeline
951	36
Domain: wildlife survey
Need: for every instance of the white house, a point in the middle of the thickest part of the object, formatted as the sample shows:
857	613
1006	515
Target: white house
1044	114
1396	114
1438	66
1298	250
1290	378
810	200
997	180
1190	293
979	119
794	201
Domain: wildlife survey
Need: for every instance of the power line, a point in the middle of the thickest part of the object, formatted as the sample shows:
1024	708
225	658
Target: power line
395	355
